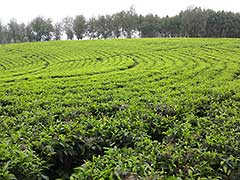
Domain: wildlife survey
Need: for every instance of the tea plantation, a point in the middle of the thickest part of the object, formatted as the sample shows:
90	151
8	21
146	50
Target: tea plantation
120	109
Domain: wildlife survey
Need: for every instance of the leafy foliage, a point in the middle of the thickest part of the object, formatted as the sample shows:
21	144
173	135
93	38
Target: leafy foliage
120	109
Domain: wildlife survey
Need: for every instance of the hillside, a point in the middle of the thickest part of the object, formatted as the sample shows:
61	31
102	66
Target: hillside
120	109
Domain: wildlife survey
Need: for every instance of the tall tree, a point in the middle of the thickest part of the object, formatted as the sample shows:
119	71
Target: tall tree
1	33
150	26
13	30
22	32
79	26
29	33
92	28
57	31
129	22
117	20
68	27
194	22
42	29
210	27
104	26
171	26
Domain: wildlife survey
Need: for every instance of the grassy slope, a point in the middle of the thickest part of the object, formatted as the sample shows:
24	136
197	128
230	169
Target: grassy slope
149	108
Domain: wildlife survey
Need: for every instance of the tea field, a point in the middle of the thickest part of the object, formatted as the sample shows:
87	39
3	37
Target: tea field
120	109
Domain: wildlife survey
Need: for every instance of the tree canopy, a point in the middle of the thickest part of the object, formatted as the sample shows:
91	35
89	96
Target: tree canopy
193	22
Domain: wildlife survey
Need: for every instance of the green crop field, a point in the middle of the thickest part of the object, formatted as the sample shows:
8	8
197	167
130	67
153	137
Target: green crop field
120	109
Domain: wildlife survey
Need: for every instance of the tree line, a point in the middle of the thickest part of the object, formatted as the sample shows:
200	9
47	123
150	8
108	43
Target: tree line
193	22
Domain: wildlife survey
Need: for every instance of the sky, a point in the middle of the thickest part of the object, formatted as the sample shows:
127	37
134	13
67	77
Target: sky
26	10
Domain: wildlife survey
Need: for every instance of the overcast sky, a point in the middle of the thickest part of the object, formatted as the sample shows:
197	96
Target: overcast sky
26	10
